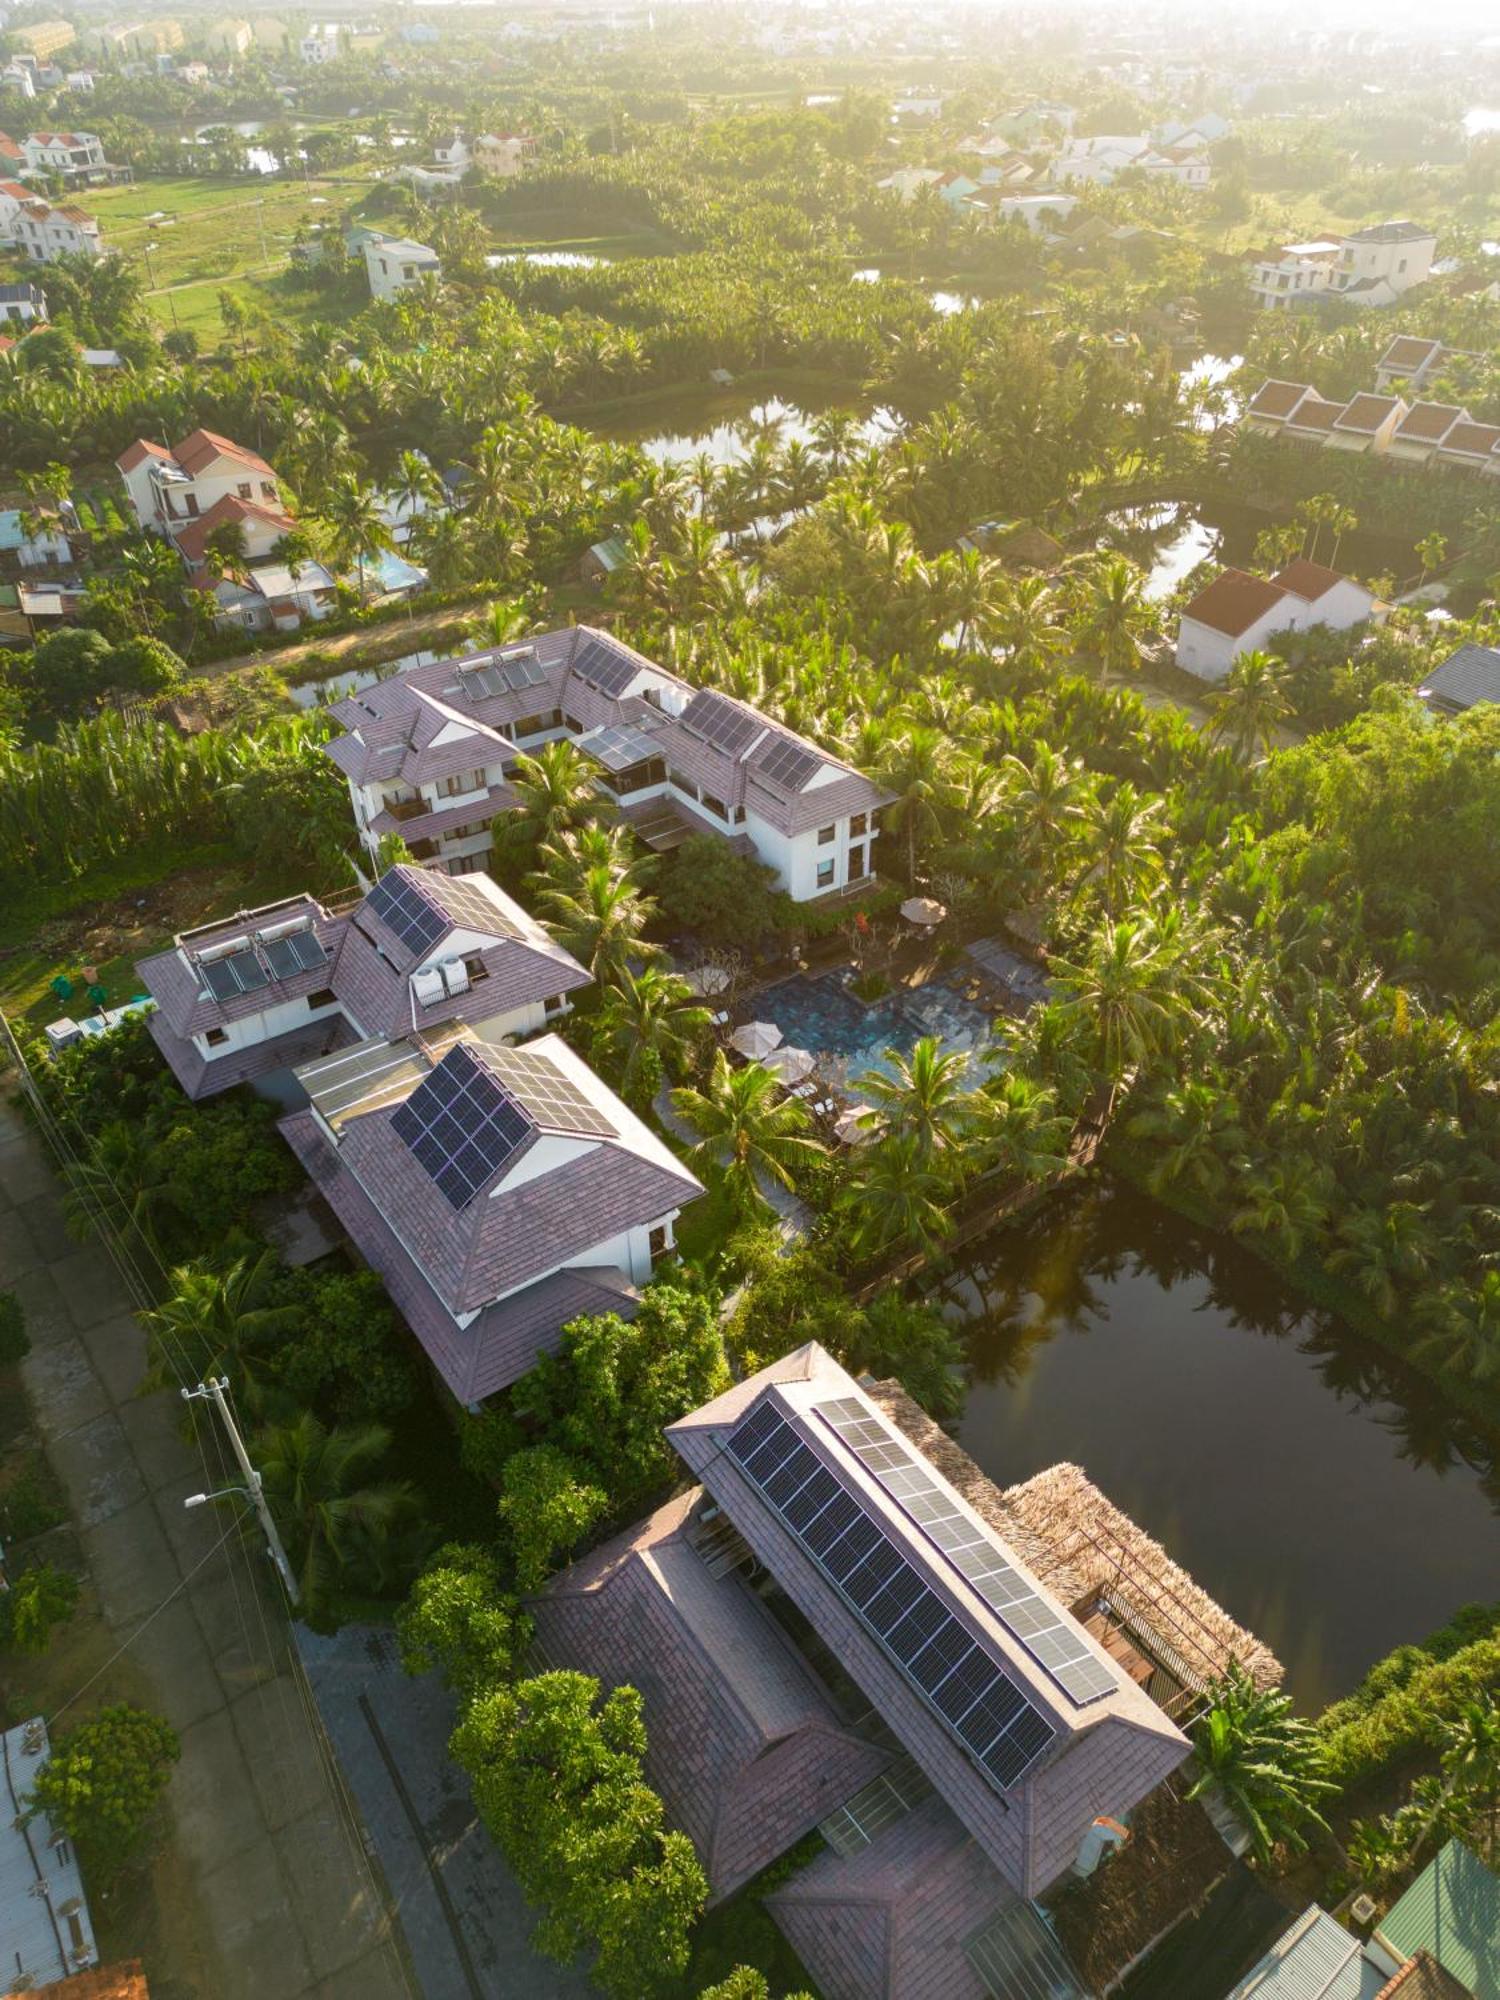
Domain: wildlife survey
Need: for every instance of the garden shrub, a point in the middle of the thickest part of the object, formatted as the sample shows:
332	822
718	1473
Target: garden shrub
1410	1716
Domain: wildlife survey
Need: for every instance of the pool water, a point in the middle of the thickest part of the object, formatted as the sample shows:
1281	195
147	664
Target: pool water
850	1035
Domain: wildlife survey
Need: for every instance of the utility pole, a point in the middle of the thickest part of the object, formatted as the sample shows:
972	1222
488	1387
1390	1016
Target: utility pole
213	1391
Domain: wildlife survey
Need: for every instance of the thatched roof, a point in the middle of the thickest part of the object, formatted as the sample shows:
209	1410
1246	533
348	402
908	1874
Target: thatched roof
1077	1542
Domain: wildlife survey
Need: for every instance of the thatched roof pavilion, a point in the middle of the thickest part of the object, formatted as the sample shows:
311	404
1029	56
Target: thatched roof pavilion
1080	1545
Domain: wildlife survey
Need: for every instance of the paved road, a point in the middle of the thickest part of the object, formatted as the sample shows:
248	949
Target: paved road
268	1886
465	1920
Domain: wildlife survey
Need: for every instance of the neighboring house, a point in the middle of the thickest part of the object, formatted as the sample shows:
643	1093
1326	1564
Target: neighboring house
230	37
917	105
269	988
46	1933
1367	423
1283	278
1314	1959
17	76
1239	613
35	544
1197	133
23	303
420	34
599	563
43	38
1422	432
845	1627
502	154
499	1192
1033	122
171	489
72	156
1378	264
1411	362
320	44
1464	680
394	264
1450	1914
44	232
1097	161
81	81
1037	213
452	151
1432	434
908	182
429	753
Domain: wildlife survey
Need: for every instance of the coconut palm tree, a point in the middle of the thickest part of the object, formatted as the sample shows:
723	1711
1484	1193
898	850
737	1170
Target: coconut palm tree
916	767
1114	614
600	921
1263	1759
221	1323
338	1522
417	484
1255	702
557	791
1023	623
1019	1129
747	1130
356	528
1126	996
1120	834
501	622
1286	1201
650	1013
122	1177
925	1095
899	1201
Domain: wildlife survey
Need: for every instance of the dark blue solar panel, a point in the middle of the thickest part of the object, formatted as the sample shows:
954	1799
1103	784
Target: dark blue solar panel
402	908
460	1126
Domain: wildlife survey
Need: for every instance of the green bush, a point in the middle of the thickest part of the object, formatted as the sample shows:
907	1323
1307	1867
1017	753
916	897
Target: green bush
1470	1623
15	1341
37	1600
1410	1716
102	1782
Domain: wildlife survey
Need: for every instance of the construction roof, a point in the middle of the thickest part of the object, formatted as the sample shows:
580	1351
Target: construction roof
1233	602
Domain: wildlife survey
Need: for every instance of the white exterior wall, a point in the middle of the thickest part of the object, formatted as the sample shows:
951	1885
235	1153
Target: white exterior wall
391	272
252	1029
1347	604
1402	265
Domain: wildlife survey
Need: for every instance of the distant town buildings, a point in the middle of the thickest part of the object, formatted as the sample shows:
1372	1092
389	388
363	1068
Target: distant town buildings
1239	613
1101	161
230	37
43	39
23	303
320	44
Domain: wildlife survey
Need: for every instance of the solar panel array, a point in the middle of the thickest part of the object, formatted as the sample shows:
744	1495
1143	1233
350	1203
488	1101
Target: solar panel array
402	908
618	747
505	673
546	1094
472	908
785	762
957	1677
720	723
1053	1641
237	972
297	951
460	1126
604	667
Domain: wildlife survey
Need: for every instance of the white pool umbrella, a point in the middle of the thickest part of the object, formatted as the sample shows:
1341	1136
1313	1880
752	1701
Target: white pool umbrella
791	1065
852	1128
707	979
923	910
756	1039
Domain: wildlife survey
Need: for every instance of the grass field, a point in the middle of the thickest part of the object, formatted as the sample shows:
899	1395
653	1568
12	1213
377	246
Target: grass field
208	236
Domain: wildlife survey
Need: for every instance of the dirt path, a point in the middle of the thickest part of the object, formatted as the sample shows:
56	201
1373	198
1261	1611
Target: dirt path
365	646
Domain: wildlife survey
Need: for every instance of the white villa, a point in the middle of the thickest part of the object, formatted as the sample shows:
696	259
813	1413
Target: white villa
45	233
394	264
429	753
1238	613
1373	267
1100	161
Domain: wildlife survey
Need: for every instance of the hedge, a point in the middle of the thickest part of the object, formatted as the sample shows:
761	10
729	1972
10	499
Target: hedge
1412	1716
1468	1624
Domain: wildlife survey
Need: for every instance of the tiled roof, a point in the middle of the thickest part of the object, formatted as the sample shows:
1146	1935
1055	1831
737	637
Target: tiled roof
744	1744
1365	413
498	1345
1422	1978
1313	413
1275	401
1392	232
892	1920
1307	580
226	512
137	454
125	1981
200	448
1465	678
1426	423
1104	1757
529	1222
1408	353
181	993
1476	440
1233	602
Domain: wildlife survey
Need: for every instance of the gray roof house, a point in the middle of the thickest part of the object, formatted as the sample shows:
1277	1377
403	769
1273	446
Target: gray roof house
845	1626
430	754
499	1192
1464	680
269	988
46	1934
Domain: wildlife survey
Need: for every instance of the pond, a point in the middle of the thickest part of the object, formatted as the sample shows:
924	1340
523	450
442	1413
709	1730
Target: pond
1170	538
547	260
1319	1491
706	421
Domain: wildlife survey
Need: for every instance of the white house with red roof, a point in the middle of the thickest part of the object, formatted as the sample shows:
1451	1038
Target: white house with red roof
1240	613
44	233
170	489
69	154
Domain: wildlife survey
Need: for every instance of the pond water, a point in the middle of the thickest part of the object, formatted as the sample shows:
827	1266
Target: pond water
684	426
1481	120
1170	538
1319	1491
548	260
1211	371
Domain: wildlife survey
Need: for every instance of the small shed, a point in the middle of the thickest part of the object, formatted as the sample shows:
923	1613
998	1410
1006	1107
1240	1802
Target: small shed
1452	1912
598	564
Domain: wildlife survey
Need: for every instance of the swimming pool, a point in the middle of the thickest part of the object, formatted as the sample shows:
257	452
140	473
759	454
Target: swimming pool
850	1035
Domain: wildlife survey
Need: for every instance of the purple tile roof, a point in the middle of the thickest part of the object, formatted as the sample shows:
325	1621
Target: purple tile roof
1105	1755
744	1744
417	738
892	1920
499	1345
510	1236
393	715
181	994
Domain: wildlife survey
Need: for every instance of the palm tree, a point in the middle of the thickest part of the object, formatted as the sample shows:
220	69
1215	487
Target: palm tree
1197	1128
557	791
122	1177
1023	622
1115	614
334	1520
1255	702
1128	996
924	1096
600	921
500	623
1018	1126
1263	1759
1121	835
1045	797
221	1323
1285	1201
356	527
417	485
916	768
747	1130
649	1013
900	1200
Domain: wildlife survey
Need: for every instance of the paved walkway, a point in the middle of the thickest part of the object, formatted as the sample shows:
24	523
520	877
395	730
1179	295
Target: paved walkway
465	1920
261	1884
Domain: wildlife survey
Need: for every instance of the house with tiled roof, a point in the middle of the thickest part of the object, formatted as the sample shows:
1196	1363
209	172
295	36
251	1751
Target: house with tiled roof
499	1192
1379	263
72	156
1240	613
1411	361
266	989
430	753
1464	680
46	1932
1367	423
44	232
842	1626
1421	433
170	489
